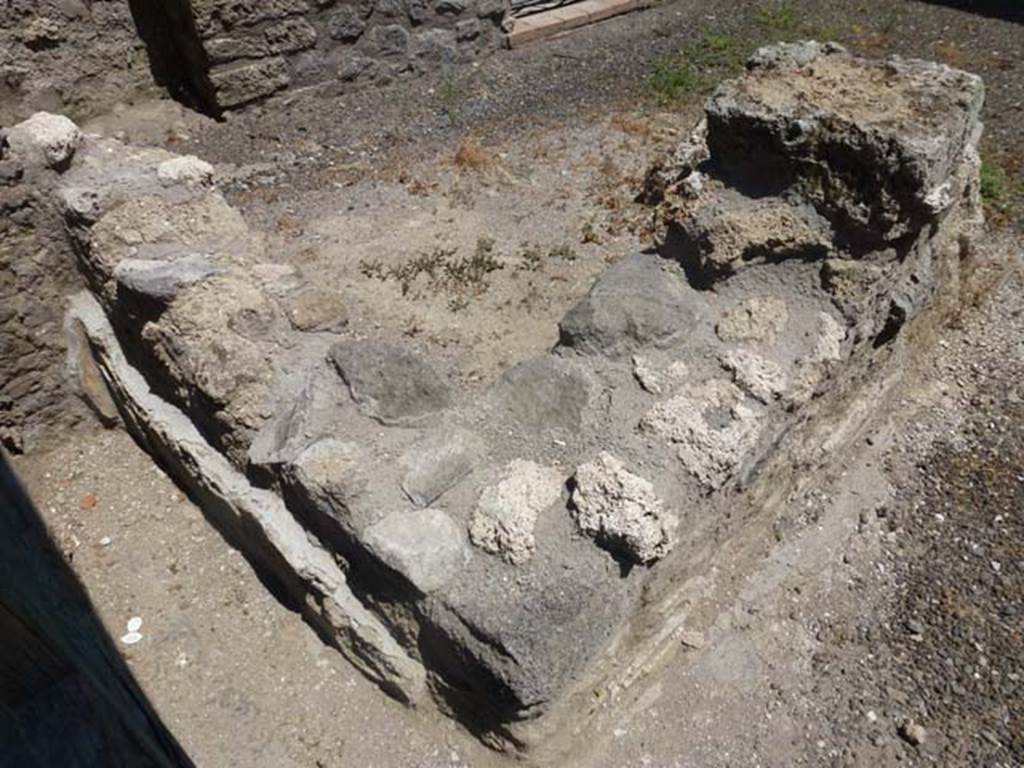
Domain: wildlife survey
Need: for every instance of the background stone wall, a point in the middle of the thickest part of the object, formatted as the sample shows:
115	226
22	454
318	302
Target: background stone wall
37	272
258	47
77	57
81	57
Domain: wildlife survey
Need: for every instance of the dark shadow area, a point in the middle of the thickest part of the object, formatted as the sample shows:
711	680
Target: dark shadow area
1010	10
176	57
66	696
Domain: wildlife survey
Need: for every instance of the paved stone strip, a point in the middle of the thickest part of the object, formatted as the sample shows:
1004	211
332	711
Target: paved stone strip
254	520
540	26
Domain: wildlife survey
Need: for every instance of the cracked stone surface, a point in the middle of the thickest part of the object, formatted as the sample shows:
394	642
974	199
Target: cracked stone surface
756	319
622	511
712	426
762	379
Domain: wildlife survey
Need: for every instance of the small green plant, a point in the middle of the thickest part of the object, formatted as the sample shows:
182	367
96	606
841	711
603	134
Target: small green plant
698	67
995	187
441	270
451	97
530	259
672	78
471	272
589	233
781	18
565	252
716	51
1003	200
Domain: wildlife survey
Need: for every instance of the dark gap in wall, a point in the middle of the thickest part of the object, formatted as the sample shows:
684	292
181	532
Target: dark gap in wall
1010	10
176	57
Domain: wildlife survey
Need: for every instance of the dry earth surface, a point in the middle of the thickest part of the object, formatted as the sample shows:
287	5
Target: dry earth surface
840	649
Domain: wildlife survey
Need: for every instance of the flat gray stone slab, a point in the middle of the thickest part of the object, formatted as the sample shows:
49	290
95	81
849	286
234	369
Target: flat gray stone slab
426	546
163	280
542	395
388	383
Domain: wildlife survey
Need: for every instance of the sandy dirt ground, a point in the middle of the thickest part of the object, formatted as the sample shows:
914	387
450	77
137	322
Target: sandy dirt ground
882	626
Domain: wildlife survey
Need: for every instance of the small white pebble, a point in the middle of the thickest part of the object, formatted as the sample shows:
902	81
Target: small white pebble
106	541
134	624
131	638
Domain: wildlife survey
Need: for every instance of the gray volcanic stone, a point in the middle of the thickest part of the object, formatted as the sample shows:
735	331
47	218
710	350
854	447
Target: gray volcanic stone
541	395
346	24
438	463
388	383
426	546
313	414
640	301
389	40
163	280
621	511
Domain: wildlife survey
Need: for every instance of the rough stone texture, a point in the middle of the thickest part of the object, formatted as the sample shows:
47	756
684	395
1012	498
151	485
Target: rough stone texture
723	235
761	379
682	164
390	384
85	57
426	546
256	50
870	144
621	511
69	56
638	302
36	272
187	169
276	542
438	463
657	381
240	84
542	395
756	319
505	517
712	428
50	140
210	323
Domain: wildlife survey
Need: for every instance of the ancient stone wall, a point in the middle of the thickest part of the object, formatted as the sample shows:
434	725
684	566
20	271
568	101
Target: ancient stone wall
37	272
255	49
70	56
80	58
510	540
